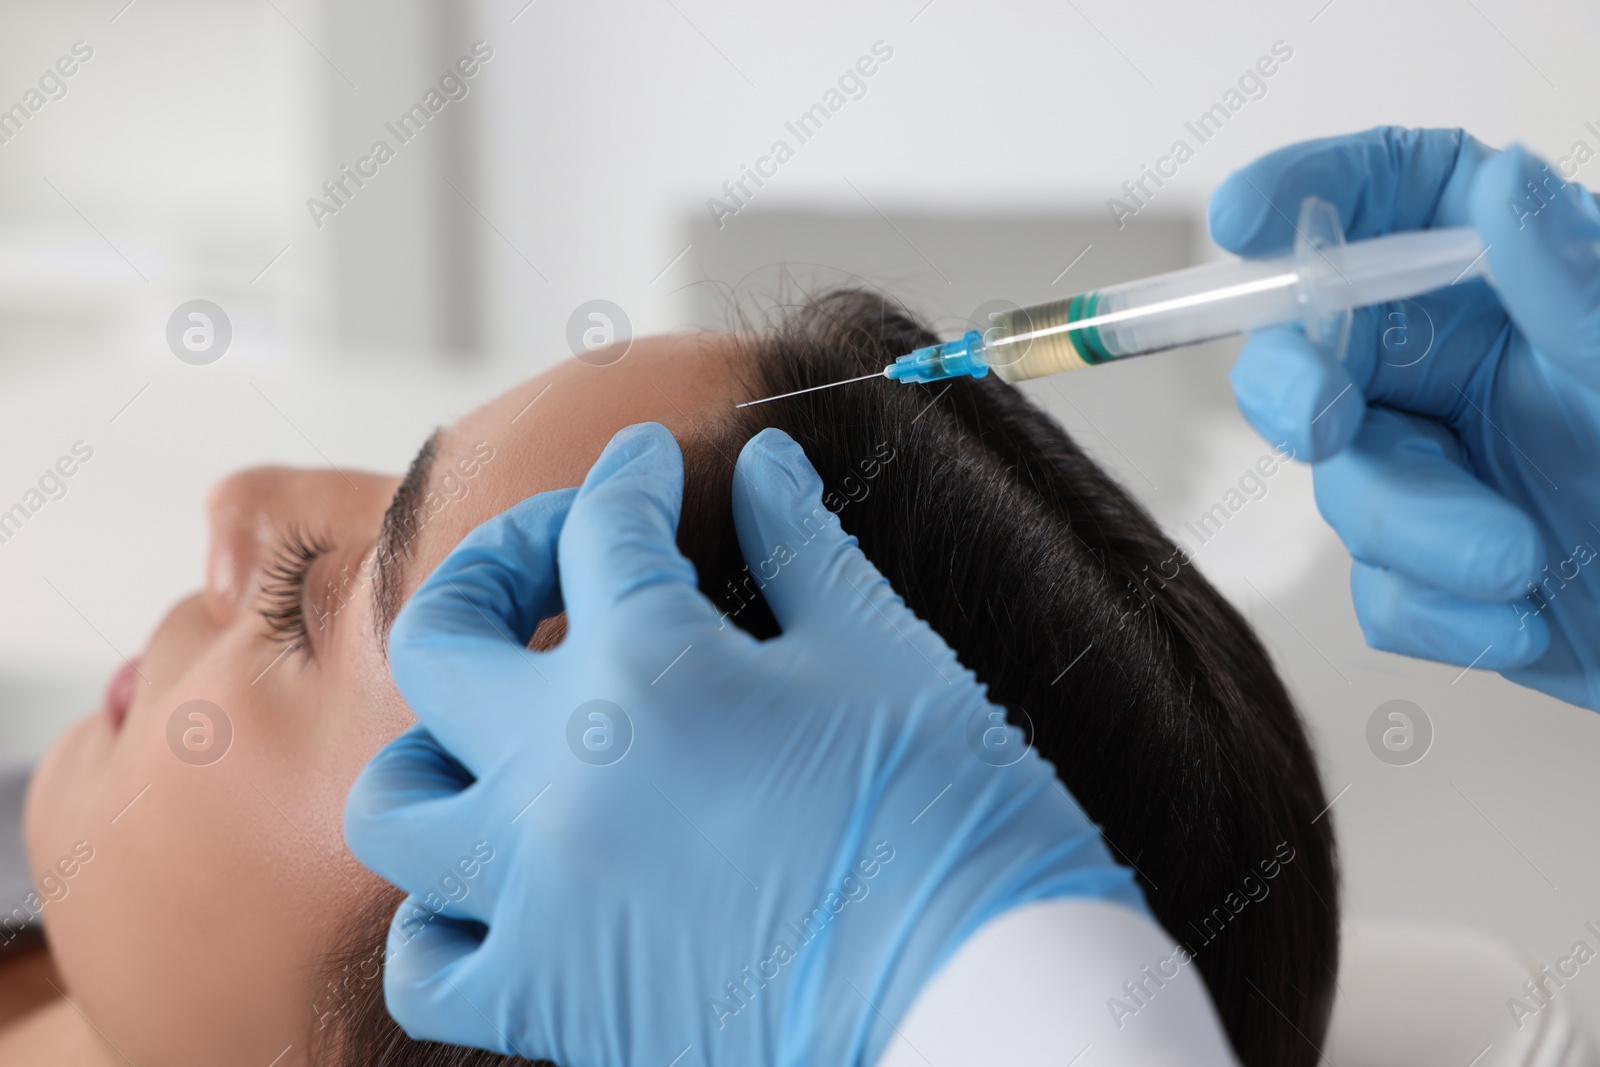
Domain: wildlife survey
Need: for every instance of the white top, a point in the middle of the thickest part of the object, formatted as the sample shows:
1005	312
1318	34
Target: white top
1064	983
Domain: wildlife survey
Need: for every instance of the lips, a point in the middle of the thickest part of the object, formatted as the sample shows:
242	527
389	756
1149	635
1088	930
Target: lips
119	692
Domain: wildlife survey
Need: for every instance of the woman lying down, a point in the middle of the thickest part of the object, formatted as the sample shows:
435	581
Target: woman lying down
221	918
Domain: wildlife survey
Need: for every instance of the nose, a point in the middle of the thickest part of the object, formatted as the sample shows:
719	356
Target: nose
252	510
246	510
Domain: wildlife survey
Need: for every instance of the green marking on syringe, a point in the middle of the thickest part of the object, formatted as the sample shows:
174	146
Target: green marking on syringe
1090	336
1086	343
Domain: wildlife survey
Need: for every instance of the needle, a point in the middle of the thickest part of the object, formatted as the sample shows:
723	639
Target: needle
814	388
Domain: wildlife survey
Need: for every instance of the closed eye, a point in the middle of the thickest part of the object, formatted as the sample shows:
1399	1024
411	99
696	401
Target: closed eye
283	588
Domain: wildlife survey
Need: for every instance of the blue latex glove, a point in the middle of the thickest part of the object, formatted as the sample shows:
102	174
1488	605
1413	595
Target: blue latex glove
1459	442
751	852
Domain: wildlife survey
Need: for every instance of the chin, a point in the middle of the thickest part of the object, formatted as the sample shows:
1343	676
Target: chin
63	790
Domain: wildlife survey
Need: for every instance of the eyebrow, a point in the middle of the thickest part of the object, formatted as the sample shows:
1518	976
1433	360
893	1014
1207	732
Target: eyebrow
399	528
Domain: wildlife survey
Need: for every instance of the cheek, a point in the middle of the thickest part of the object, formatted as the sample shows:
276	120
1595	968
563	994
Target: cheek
192	935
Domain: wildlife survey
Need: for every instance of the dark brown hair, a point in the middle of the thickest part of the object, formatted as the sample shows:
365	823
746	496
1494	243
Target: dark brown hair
1148	692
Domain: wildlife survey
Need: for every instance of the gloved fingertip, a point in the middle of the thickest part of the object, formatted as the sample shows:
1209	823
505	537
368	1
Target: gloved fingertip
1296	396
644	442
640	436
1497	186
1542	245
1526	644
1512	558
400	780
1526	210
498	581
1237	214
422	981
413	767
1402	617
1337	422
637	481
777	446
773	453
1267	421
618	551
814	572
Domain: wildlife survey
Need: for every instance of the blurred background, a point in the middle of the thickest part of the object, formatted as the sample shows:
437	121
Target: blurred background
593	156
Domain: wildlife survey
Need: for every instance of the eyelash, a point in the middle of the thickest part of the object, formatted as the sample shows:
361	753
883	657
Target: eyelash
283	587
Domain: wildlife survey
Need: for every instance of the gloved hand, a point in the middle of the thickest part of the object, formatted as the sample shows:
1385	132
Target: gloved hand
1458	445
702	845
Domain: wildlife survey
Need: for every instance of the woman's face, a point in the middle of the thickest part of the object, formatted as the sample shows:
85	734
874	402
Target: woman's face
195	931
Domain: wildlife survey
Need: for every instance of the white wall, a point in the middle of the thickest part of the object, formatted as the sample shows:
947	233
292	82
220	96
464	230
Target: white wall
164	173
610	126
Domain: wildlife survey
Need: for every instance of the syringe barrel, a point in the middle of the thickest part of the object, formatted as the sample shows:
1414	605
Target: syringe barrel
1218	300
1394	267
1150	315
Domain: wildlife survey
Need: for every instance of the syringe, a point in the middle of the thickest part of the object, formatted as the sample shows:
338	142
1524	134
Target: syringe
1319	283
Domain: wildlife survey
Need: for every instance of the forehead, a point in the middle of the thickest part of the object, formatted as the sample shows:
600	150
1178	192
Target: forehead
546	432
